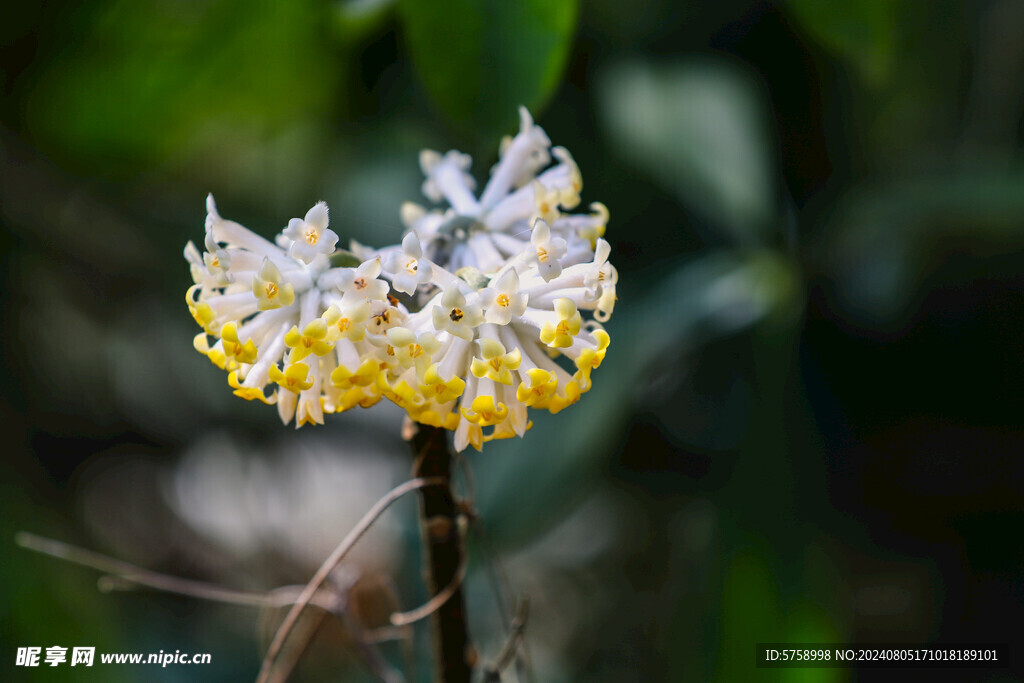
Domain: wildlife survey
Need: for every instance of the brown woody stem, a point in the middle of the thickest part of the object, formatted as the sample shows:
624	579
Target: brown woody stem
443	555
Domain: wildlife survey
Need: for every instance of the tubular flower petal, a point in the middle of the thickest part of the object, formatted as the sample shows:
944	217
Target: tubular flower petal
503	301
461	324
269	289
485	412
312	339
538	392
241	352
560	335
495	364
409	268
295	378
310	236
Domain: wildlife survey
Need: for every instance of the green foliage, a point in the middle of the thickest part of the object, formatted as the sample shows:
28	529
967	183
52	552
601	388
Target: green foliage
481	59
888	237
860	31
154	81
698	129
693	304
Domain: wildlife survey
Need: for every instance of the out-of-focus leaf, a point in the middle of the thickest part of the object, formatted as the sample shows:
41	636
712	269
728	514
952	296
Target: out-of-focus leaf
149	81
700	130
716	296
750	610
863	32
355	18
481	59
807	622
884	239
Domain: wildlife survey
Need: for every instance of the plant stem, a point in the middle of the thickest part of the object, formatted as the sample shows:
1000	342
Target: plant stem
454	655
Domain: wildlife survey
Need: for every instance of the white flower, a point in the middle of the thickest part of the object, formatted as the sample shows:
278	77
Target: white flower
273	326
499	287
502	301
269	287
546	251
486	232
348	319
408	266
455	315
358	284
310	236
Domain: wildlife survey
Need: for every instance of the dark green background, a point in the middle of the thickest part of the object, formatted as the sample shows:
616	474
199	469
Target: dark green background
808	425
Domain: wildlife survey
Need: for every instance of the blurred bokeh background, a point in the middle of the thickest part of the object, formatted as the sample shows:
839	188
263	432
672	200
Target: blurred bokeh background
808	426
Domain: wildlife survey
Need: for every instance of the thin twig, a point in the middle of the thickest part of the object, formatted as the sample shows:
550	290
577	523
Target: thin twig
508	653
370	656
331	562
435	603
385	634
124	575
502	587
290	659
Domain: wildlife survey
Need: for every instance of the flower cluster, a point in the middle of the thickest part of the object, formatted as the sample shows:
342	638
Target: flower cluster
473	319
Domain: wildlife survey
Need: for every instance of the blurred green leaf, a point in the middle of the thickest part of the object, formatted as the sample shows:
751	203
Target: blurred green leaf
481	59
750	611
147	82
716	296
700	130
355	18
807	622
884	239
863	32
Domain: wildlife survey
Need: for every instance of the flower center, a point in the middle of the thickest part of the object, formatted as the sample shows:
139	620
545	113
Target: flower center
271	290
343	324
415	350
312	236
360	283
502	300
456	315
495	363
411	266
542	254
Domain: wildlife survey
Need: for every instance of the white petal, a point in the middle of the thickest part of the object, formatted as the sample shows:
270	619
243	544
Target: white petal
317	216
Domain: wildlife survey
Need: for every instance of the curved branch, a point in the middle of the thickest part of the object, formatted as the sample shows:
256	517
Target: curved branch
331	562
435	603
